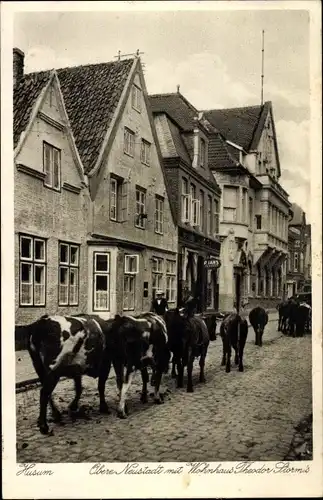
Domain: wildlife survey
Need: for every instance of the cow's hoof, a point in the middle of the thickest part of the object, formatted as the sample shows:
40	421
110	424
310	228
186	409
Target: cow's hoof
73	414
44	429
158	401
180	385
227	369
190	389
121	414
202	380
104	409
57	417
222	363
144	398
240	368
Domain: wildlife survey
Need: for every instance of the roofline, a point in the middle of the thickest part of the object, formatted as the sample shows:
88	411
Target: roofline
240	148
178	94
157	145
70	134
34	113
96	167
53	77
65	68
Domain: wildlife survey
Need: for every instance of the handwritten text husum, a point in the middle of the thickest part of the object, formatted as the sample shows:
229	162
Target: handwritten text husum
33	470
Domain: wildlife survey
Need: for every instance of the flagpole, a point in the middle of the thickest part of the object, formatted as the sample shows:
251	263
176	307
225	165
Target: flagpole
262	66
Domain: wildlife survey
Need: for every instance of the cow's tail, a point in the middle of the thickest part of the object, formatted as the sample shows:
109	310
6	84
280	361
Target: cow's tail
239	335
34	346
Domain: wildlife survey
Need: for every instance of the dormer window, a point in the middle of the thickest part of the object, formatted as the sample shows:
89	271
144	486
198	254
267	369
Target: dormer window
136	98
202	153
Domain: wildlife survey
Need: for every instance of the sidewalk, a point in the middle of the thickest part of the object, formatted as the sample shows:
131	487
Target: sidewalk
25	370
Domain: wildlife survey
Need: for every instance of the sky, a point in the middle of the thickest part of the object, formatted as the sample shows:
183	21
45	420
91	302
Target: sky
215	57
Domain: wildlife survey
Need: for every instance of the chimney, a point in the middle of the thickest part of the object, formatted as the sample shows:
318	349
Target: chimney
18	65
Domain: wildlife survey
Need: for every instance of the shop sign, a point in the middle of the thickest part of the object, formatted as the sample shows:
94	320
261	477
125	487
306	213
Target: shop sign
212	263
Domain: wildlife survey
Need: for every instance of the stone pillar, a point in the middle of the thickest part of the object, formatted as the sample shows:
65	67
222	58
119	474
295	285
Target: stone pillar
240	205
270	283
226	280
274	282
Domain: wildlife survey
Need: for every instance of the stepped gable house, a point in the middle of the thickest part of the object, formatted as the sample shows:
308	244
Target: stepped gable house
255	210
194	195
297	243
51	201
130	233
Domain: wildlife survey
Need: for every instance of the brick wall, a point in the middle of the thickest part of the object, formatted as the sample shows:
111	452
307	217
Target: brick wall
55	216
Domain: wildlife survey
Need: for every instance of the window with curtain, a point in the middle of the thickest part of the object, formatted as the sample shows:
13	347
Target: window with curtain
101	281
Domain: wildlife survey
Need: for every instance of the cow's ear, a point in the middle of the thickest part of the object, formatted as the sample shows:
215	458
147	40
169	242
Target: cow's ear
117	316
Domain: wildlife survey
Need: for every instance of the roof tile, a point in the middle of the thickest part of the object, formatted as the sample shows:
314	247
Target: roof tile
236	124
176	107
91	94
25	95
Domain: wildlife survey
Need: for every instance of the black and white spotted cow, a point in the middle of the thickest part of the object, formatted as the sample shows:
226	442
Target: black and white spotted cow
72	346
65	346
144	344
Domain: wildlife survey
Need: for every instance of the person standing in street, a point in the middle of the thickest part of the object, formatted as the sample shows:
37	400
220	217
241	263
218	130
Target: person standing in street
159	305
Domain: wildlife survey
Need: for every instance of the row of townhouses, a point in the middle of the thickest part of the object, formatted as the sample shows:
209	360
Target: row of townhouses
118	194
299	273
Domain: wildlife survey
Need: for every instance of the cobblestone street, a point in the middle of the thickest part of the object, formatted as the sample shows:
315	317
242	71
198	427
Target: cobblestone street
236	416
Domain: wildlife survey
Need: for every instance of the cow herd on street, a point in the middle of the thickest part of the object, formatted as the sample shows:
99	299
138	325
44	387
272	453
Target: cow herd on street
87	344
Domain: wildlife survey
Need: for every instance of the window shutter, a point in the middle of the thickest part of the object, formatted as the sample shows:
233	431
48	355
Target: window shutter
46	160
124	201
56	168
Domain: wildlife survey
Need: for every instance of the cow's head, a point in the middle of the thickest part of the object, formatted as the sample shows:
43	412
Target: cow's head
135	334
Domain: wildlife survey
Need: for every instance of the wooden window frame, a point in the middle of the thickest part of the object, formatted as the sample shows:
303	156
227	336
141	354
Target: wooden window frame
258	220
33	263
209	215
145	152
71	268
157	274
101	273
185	202
128	133
227	208
170	278
52	150
216	217
140	222
159	215
136	97
202	155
